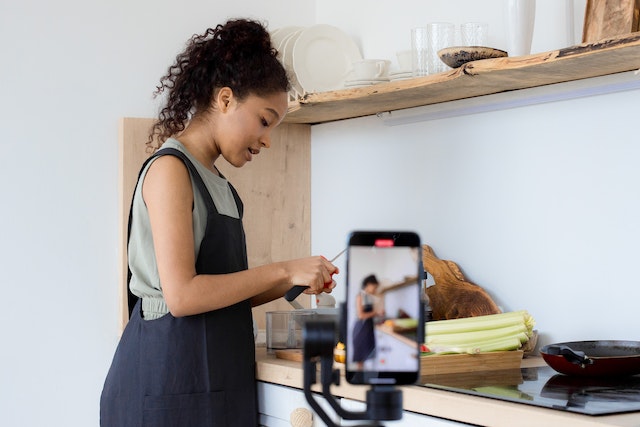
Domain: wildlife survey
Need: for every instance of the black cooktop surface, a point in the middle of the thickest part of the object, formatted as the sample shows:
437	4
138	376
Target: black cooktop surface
542	386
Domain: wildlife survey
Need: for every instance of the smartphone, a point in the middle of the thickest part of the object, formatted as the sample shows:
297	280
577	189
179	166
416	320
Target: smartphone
384	308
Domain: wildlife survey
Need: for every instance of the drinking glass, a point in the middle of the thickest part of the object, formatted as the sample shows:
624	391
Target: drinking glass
440	35
420	51
474	34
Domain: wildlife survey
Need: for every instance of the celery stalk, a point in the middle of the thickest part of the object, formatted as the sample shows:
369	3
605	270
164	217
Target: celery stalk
480	335
479	323
496	332
503	344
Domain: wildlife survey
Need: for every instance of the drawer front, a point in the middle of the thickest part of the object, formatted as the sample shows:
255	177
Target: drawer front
276	403
409	419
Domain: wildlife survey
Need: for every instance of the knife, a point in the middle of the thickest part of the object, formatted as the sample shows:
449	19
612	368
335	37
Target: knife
298	289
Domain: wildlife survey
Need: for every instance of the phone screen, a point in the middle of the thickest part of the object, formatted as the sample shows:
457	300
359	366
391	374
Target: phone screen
383	308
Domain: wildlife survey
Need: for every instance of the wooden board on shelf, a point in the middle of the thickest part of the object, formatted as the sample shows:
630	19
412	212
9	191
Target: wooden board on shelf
275	189
609	18
478	78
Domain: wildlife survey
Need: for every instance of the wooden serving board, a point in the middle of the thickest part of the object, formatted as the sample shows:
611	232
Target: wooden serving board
462	363
446	363
290	354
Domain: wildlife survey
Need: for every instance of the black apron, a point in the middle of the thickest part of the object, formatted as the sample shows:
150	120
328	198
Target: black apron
192	371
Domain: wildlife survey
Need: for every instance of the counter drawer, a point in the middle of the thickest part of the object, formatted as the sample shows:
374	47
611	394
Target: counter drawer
409	419
276	404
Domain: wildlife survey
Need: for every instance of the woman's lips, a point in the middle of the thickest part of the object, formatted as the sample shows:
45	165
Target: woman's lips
251	152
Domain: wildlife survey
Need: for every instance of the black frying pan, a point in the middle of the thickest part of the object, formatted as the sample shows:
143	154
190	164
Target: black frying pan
594	358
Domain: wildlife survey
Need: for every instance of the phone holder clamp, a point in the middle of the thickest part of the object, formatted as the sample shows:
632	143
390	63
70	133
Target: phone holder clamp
384	402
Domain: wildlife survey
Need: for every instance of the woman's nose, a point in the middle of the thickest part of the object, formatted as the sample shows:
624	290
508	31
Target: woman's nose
265	141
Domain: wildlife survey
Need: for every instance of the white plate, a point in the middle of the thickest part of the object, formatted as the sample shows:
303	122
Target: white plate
279	34
395	79
375	80
322	58
353	86
361	84
287	60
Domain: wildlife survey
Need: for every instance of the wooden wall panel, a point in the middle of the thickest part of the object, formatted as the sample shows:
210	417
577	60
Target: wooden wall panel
275	188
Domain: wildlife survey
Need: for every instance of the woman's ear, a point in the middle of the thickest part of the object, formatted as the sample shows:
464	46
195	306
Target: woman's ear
224	98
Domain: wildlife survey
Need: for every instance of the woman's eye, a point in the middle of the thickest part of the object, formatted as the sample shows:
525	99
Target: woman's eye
264	122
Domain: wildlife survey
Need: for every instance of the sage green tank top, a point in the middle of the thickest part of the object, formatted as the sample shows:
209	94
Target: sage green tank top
145	281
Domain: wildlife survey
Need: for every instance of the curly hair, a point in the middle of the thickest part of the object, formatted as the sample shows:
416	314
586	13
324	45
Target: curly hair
238	55
370	280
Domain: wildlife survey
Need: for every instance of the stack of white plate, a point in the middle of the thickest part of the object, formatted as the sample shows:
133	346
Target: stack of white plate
317	58
363	83
400	75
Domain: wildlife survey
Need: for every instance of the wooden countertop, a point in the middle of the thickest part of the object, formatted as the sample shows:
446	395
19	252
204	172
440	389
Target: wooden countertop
445	404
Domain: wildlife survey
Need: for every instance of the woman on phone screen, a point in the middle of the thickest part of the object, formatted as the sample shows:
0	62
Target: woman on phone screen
364	340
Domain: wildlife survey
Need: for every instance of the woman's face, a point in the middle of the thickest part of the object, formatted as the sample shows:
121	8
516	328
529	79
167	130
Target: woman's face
371	288
245	126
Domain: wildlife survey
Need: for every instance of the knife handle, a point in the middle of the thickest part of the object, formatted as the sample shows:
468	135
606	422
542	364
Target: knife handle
294	292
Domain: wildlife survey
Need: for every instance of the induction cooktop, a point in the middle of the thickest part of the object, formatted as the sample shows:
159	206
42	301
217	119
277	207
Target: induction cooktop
544	387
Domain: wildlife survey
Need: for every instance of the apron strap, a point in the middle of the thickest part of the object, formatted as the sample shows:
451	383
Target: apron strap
200	185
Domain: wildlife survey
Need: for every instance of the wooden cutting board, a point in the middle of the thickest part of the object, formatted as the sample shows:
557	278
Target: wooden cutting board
462	363
444	364
295	355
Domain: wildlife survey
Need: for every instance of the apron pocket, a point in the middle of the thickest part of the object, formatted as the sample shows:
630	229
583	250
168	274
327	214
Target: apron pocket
197	409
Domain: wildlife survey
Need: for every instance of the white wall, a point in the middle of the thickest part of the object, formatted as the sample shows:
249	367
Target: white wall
68	70
537	204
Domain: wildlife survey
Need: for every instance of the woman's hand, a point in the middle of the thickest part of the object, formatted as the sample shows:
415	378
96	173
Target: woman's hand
314	272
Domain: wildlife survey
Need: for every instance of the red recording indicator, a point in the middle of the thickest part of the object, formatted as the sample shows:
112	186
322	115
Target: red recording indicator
384	243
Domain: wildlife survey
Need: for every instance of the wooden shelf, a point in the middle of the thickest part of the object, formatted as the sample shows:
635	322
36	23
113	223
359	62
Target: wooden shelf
490	76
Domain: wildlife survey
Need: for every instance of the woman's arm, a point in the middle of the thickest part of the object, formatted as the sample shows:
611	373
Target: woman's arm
168	195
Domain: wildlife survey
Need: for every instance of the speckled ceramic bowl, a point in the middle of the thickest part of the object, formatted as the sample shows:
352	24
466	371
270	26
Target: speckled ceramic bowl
456	56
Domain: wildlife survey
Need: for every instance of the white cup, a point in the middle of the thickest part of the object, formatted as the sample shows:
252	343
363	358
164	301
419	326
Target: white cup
370	69
404	60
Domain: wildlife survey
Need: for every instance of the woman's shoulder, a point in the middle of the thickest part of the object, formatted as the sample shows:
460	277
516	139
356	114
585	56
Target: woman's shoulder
206	174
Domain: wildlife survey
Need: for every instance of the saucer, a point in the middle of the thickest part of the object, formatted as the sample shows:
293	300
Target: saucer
352	83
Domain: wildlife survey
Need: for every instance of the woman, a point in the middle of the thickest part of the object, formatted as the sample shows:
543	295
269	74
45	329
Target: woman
364	340
187	356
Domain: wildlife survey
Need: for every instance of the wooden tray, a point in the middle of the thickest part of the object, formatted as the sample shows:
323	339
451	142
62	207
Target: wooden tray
446	363
461	363
294	355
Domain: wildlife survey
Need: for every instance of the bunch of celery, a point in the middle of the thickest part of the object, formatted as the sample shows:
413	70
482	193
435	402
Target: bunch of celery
470	335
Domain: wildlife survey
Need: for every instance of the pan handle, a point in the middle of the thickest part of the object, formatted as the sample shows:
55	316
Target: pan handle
573	356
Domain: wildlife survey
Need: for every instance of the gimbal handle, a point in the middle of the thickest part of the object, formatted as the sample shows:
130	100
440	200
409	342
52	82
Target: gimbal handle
384	402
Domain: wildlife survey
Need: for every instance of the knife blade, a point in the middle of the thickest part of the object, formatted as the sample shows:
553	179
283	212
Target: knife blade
298	289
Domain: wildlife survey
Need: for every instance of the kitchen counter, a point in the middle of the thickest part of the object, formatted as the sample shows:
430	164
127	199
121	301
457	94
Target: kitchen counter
445	404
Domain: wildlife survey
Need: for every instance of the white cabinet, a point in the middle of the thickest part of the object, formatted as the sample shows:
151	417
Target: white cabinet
409	419
276	403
